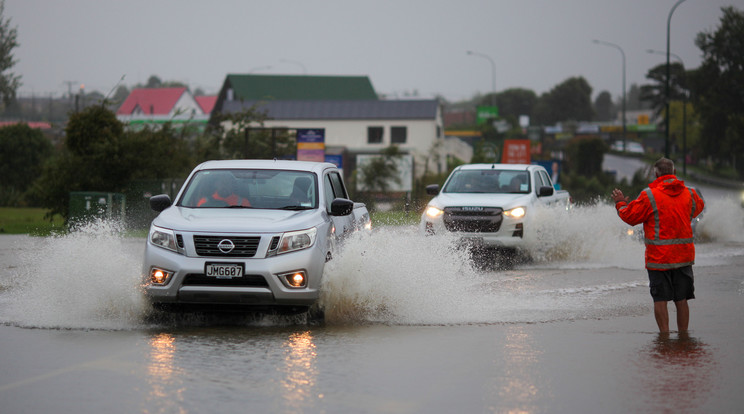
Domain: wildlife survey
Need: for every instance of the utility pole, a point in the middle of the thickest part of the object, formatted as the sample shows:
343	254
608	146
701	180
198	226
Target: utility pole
69	88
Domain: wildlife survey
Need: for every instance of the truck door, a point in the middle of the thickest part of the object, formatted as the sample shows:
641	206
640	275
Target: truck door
543	180
334	188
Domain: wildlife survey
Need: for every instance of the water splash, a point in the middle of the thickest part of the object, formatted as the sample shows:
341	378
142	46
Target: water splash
722	221
88	278
400	277
584	264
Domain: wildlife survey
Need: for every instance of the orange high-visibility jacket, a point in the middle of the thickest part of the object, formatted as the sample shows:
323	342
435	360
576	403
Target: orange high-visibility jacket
666	209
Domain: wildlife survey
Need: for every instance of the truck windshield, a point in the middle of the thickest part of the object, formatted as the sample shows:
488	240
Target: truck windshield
488	181
247	188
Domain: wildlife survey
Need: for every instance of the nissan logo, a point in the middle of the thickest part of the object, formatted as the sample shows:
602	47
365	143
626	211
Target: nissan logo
226	246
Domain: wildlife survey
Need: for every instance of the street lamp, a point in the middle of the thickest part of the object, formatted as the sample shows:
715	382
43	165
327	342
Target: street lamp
684	109
666	122
493	74
600	42
304	70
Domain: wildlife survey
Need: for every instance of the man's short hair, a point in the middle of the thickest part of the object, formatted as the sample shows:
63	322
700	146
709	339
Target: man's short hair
664	166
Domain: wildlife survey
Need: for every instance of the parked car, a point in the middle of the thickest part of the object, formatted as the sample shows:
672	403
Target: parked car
490	204
632	147
248	235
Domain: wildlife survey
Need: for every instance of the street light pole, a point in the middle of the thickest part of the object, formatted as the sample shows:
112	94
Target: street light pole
622	53
493	74
296	62
666	121
684	109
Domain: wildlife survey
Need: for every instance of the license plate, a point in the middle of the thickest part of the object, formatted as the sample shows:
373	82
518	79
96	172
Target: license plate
223	270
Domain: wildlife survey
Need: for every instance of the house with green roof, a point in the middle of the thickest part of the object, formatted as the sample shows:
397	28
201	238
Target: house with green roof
347	108
295	87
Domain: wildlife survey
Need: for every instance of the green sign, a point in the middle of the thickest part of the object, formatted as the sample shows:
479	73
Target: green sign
484	113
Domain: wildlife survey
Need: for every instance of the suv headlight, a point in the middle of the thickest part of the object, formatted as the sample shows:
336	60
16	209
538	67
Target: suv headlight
163	238
516	212
434	212
297	240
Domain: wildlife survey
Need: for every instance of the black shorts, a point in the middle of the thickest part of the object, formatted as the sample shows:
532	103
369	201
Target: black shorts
673	284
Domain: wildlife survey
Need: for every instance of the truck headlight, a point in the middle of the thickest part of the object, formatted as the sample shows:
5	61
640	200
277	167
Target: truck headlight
163	238
516	212
434	212
297	240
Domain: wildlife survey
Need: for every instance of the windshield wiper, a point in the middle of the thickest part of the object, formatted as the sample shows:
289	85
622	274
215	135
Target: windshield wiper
295	208
238	207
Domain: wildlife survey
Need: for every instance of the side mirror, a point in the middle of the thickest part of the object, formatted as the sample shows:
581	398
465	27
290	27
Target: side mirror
160	202
341	207
432	189
545	191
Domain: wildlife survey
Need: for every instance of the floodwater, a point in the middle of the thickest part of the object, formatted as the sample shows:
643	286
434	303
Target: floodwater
411	326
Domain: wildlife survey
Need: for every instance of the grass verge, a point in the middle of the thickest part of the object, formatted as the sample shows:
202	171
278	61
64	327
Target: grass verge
29	220
394	218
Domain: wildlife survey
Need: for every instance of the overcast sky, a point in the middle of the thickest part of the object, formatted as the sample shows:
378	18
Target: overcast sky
402	45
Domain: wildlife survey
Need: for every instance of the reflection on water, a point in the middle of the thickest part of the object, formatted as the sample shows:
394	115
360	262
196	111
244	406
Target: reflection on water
677	372
300	371
164	379
518	388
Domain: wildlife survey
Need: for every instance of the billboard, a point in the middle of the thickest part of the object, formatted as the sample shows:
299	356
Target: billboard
516	151
484	113
311	144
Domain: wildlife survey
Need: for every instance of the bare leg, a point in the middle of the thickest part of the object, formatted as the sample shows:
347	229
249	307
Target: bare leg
683	315
662	316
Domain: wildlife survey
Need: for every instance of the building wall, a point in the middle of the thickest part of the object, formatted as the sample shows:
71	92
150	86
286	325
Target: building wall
420	140
185	107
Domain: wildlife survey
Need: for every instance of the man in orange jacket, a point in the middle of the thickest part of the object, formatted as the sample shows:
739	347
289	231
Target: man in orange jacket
666	209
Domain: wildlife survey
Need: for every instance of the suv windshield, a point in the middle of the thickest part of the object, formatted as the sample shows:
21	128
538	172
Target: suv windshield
247	188
488	181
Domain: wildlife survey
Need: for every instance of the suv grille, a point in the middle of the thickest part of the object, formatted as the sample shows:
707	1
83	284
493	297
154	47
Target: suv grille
473	219
208	246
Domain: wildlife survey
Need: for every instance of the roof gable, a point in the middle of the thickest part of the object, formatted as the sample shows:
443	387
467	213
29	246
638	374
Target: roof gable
206	103
300	87
151	101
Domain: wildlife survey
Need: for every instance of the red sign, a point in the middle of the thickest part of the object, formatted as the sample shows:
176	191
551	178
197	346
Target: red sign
516	151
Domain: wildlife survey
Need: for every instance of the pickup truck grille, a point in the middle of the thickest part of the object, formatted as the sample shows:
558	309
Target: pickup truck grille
473	219
194	279
209	246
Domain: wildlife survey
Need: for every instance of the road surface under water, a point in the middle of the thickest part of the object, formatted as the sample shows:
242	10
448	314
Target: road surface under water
411	326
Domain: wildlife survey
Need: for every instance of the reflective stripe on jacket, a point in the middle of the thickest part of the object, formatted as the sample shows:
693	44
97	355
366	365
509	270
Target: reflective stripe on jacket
666	209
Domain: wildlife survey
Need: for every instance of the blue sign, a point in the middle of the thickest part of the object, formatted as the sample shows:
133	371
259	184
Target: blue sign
336	159
311	135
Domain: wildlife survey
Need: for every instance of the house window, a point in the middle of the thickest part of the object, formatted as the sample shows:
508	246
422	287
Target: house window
398	134
374	135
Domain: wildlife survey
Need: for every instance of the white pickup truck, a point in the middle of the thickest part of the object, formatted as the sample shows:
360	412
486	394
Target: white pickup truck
248	235
490	204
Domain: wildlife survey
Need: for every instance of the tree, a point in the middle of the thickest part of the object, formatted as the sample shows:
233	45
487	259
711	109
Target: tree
100	156
9	82
633	100
604	109
378	173
655	93
567	101
242	135
585	156
718	90
153	82
120	95
23	151
516	102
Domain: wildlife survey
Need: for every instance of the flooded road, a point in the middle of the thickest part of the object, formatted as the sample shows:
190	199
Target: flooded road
411	327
